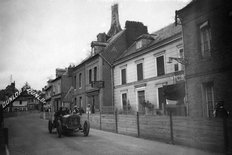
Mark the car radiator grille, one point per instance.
(74, 122)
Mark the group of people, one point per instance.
(64, 111)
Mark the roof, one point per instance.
(46, 88)
(160, 36)
(59, 77)
(110, 42)
(111, 56)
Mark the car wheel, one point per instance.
(86, 128)
(59, 129)
(50, 126)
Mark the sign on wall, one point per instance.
(97, 84)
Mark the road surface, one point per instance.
(28, 135)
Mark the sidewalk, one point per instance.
(157, 147)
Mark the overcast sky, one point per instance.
(38, 36)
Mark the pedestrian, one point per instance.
(88, 111)
(220, 110)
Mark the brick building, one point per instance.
(96, 71)
(207, 27)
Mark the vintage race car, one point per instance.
(69, 123)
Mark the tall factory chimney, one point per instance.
(115, 25)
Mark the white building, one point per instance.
(143, 69)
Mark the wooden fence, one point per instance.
(202, 133)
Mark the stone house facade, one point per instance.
(142, 70)
(207, 27)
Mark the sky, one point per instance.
(38, 36)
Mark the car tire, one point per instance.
(50, 126)
(86, 128)
(59, 128)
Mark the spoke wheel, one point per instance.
(86, 128)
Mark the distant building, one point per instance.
(207, 29)
(48, 90)
(60, 86)
(142, 71)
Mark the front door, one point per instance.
(141, 99)
(162, 99)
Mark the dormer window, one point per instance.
(144, 40)
(139, 44)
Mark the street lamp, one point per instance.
(179, 60)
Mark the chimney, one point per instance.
(115, 25)
(100, 44)
(60, 72)
(101, 37)
(134, 30)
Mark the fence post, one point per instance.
(171, 127)
(100, 121)
(225, 132)
(138, 128)
(116, 120)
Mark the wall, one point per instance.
(17, 103)
(79, 91)
(217, 68)
(56, 86)
(206, 134)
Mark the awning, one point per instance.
(175, 91)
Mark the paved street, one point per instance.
(28, 135)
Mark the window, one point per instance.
(80, 101)
(160, 65)
(205, 38)
(80, 80)
(209, 98)
(95, 73)
(75, 79)
(181, 53)
(90, 76)
(140, 71)
(123, 76)
(138, 44)
(124, 101)
(176, 68)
